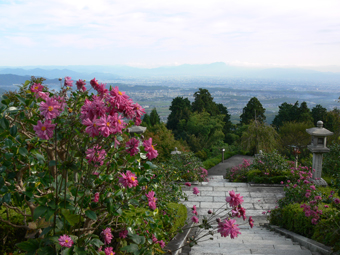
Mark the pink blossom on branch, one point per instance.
(152, 153)
(50, 109)
(96, 197)
(195, 190)
(228, 227)
(195, 219)
(106, 125)
(107, 235)
(96, 155)
(234, 199)
(152, 200)
(81, 85)
(44, 130)
(132, 146)
(128, 180)
(36, 87)
(68, 82)
(123, 234)
(91, 127)
(65, 241)
(109, 251)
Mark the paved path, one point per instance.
(256, 240)
(220, 169)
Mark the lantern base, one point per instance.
(320, 182)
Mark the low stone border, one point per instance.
(312, 245)
(265, 185)
(179, 240)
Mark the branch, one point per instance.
(13, 225)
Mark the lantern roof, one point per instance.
(319, 130)
(137, 129)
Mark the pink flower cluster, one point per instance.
(132, 146)
(152, 153)
(151, 200)
(128, 180)
(234, 199)
(239, 170)
(312, 211)
(228, 227)
(95, 155)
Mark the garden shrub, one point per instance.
(331, 160)
(238, 173)
(9, 236)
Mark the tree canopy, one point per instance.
(253, 110)
(203, 101)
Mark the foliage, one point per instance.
(238, 173)
(203, 101)
(154, 117)
(319, 113)
(180, 112)
(293, 113)
(294, 134)
(259, 136)
(165, 141)
(205, 130)
(331, 160)
(253, 111)
(186, 167)
(211, 162)
(81, 176)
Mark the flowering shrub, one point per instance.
(70, 168)
(187, 167)
(239, 173)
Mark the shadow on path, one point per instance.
(220, 169)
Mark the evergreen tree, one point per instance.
(154, 117)
(146, 120)
(180, 113)
(253, 110)
(227, 123)
(319, 113)
(203, 101)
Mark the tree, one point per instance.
(146, 120)
(253, 110)
(284, 114)
(180, 110)
(304, 113)
(319, 113)
(203, 101)
(227, 123)
(154, 117)
(259, 136)
(205, 130)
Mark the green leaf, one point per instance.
(4, 123)
(13, 130)
(21, 99)
(133, 248)
(31, 246)
(134, 202)
(8, 143)
(96, 242)
(6, 198)
(71, 218)
(39, 156)
(9, 155)
(6, 101)
(40, 210)
(137, 238)
(91, 214)
(45, 231)
(79, 250)
(23, 151)
(67, 251)
(52, 163)
(46, 250)
(2, 182)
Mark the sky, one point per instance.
(152, 33)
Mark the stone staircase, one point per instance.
(256, 240)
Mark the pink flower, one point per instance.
(107, 235)
(228, 227)
(152, 200)
(161, 243)
(96, 155)
(44, 130)
(68, 82)
(96, 173)
(234, 199)
(154, 239)
(288, 181)
(251, 222)
(194, 219)
(43, 95)
(81, 85)
(123, 234)
(312, 187)
(132, 146)
(65, 241)
(317, 198)
(263, 212)
(326, 206)
(188, 184)
(109, 251)
(195, 190)
(307, 194)
(152, 153)
(96, 197)
(91, 127)
(36, 87)
(106, 125)
(337, 201)
(128, 180)
(314, 221)
(50, 109)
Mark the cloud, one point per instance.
(262, 31)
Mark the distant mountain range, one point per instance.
(218, 69)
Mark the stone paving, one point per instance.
(256, 240)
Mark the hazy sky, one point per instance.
(149, 33)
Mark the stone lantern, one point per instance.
(318, 147)
(136, 130)
(175, 152)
